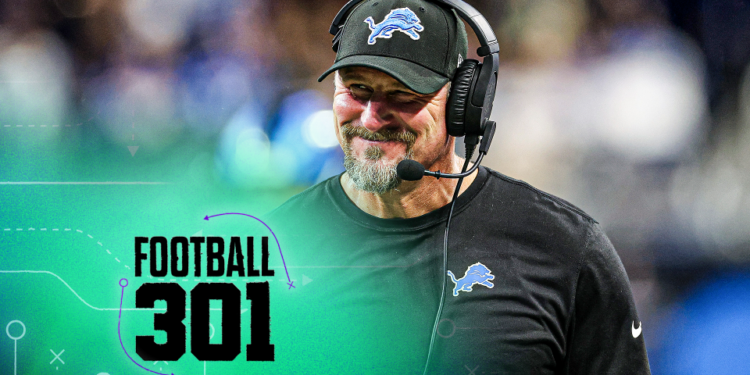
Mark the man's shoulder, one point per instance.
(534, 201)
(551, 225)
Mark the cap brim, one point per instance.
(413, 76)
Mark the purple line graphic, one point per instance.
(290, 283)
(118, 328)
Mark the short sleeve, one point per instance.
(605, 336)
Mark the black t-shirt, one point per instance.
(534, 285)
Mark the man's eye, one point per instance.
(403, 97)
(360, 91)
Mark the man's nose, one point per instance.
(376, 115)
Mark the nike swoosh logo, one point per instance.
(636, 331)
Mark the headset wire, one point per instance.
(469, 152)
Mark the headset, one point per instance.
(467, 113)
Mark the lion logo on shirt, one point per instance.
(477, 273)
(401, 19)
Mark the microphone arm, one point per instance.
(438, 174)
(411, 170)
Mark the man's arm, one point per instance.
(605, 333)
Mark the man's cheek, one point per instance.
(337, 130)
(345, 108)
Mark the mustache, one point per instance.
(384, 135)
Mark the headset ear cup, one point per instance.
(461, 87)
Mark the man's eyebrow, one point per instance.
(395, 86)
(351, 75)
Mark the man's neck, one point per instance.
(411, 198)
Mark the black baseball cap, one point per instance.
(419, 43)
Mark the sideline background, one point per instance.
(637, 111)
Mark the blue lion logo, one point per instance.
(401, 19)
(477, 273)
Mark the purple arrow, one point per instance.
(118, 328)
(290, 283)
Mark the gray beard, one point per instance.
(372, 175)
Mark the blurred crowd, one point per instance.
(637, 111)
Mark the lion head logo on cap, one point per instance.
(401, 19)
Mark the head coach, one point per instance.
(480, 274)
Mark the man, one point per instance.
(535, 287)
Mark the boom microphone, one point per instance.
(411, 170)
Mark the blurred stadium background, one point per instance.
(637, 111)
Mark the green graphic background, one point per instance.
(89, 244)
